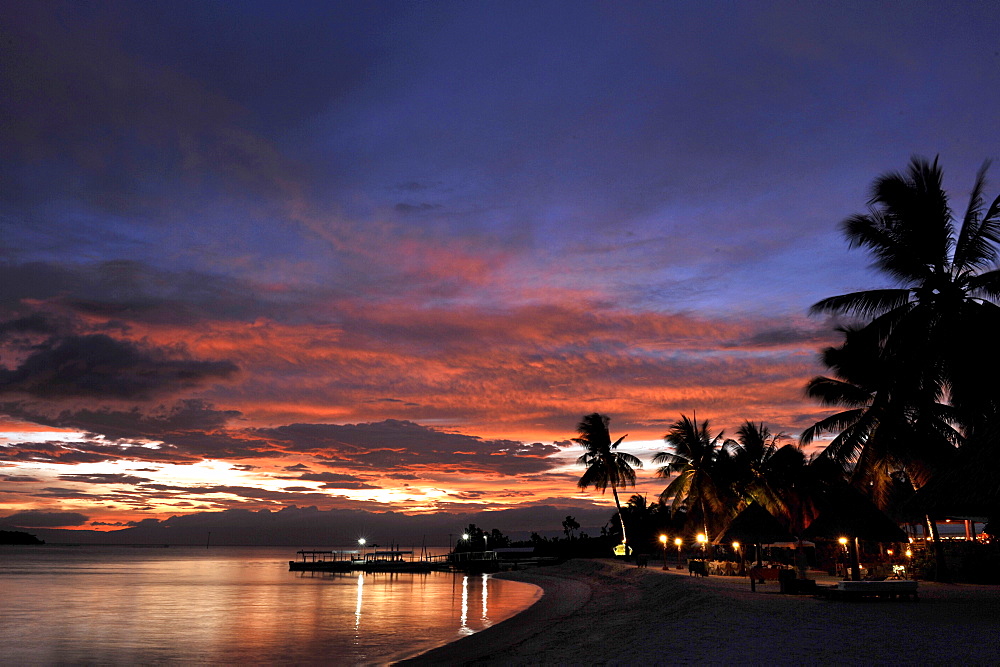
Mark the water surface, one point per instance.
(121, 605)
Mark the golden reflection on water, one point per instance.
(233, 606)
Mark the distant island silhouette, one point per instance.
(18, 537)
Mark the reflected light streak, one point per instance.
(486, 617)
(464, 629)
(357, 606)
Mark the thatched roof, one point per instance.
(754, 525)
(848, 513)
(969, 487)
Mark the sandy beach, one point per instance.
(606, 612)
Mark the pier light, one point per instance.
(465, 536)
(663, 541)
(361, 543)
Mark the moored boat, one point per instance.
(394, 561)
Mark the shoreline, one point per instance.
(605, 611)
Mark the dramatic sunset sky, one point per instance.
(371, 256)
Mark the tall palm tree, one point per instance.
(605, 465)
(699, 462)
(932, 325)
(931, 335)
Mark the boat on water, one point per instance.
(474, 562)
(395, 561)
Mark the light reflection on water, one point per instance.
(117, 605)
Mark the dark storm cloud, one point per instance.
(40, 519)
(396, 446)
(98, 366)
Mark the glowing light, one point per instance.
(736, 546)
(843, 541)
(663, 539)
(701, 538)
(678, 541)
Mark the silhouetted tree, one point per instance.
(605, 465)
(935, 332)
(697, 460)
(570, 525)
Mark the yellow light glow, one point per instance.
(843, 541)
(701, 538)
(678, 541)
(663, 539)
(736, 545)
(908, 553)
(889, 551)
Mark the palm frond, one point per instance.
(974, 248)
(867, 304)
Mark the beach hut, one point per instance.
(850, 517)
(756, 526)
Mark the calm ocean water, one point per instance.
(122, 605)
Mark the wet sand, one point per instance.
(611, 613)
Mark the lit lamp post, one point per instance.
(678, 542)
(663, 541)
(702, 540)
(736, 549)
(361, 543)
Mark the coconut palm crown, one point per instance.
(695, 460)
(931, 327)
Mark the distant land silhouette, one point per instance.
(18, 537)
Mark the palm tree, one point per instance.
(757, 467)
(931, 336)
(605, 465)
(697, 459)
(931, 328)
(889, 427)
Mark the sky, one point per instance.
(296, 259)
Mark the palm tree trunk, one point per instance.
(940, 567)
(621, 518)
